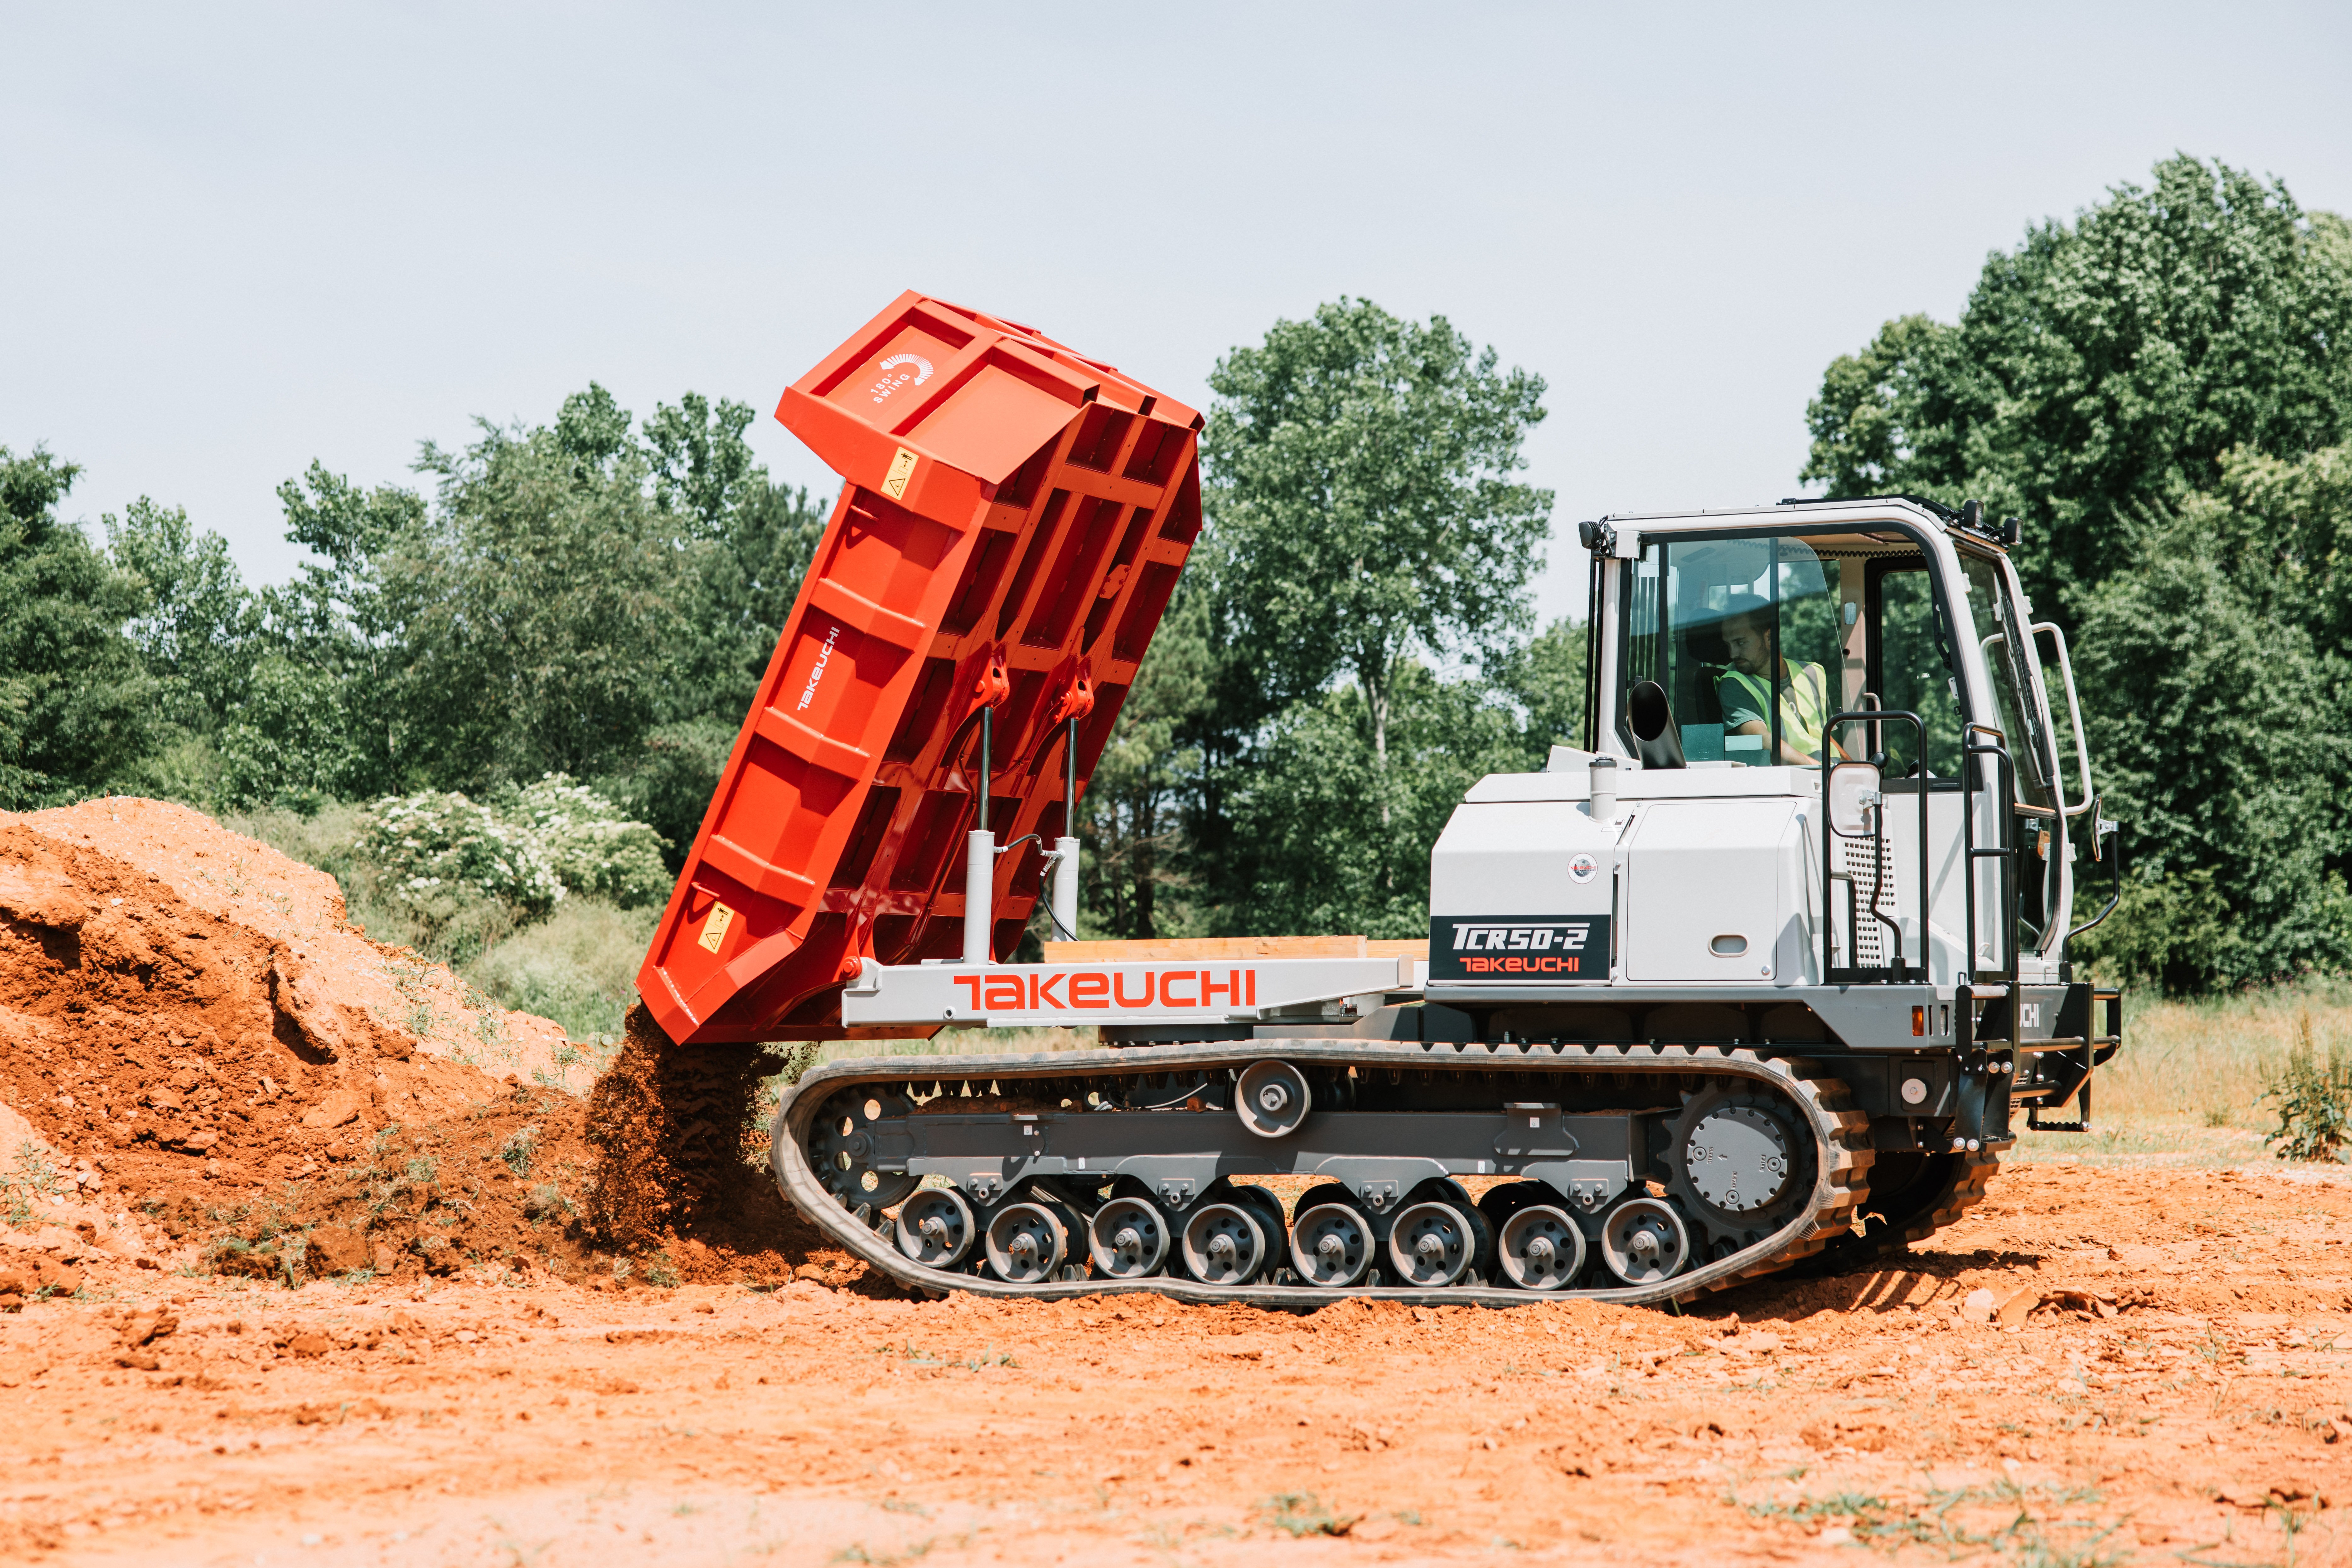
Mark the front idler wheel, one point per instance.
(843, 1147)
(1128, 1238)
(936, 1227)
(1643, 1241)
(1540, 1248)
(1026, 1243)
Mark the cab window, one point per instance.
(1758, 639)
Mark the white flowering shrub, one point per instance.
(592, 846)
(430, 848)
(443, 855)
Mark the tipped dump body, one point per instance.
(1014, 521)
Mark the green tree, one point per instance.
(1359, 492)
(702, 468)
(1131, 820)
(288, 740)
(76, 710)
(1335, 842)
(2220, 725)
(1544, 679)
(195, 624)
(345, 616)
(2100, 371)
(542, 603)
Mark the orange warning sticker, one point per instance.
(714, 930)
(902, 469)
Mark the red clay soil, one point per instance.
(2173, 1384)
(183, 1090)
(2097, 1365)
(246, 883)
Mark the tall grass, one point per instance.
(2188, 1087)
(578, 966)
(2208, 1061)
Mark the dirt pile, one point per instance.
(161, 1055)
(217, 1082)
(244, 881)
(681, 1168)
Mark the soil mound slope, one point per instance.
(198, 1068)
(244, 881)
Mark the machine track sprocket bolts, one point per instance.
(1738, 1159)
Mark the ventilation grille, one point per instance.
(1870, 945)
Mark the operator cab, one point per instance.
(1729, 639)
(1743, 832)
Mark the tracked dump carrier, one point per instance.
(1760, 972)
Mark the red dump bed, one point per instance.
(1014, 519)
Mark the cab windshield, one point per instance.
(1755, 639)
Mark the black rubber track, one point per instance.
(1841, 1182)
(1950, 1185)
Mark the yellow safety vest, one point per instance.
(1804, 702)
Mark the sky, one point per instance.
(241, 238)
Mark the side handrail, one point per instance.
(2100, 828)
(2074, 718)
(1901, 970)
(2005, 786)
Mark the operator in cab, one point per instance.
(1746, 690)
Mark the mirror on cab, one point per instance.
(1659, 743)
(1854, 799)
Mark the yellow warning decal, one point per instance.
(714, 930)
(902, 469)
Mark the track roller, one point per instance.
(1127, 1238)
(1540, 1248)
(936, 1227)
(1224, 1243)
(1026, 1242)
(1332, 1240)
(1644, 1240)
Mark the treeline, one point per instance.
(2161, 388)
(593, 597)
(596, 598)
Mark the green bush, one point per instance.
(2314, 1102)
(432, 842)
(2171, 932)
